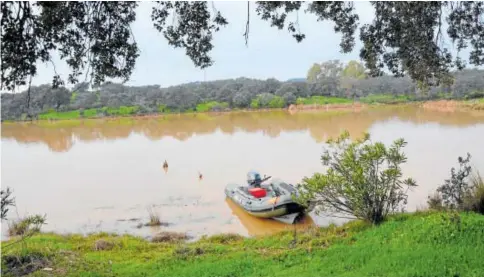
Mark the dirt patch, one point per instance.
(23, 265)
(170, 237)
(328, 107)
(441, 105)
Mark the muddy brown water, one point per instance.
(102, 175)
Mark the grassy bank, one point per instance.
(421, 244)
(275, 103)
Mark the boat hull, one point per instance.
(266, 207)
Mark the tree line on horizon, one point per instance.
(329, 79)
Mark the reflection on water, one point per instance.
(61, 136)
(95, 175)
(260, 226)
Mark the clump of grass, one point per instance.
(475, 200)
(385, 99)
(170, 237)
(211, 106)
(223, 238)
(26, 226)
(183, 253)
(54, 115)
(101, 245)
(323, 100)
(154, 219)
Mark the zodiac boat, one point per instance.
(273, 200)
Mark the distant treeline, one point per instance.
(118, 99)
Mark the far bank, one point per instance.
(328, 104)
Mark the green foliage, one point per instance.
(314, 73)
(26, 226)
(474, 201)
(464, 191)
(254, 103)
(163, 109)
(277, 102)
(384, 99)
(7, 201)
(475, 95)
(73, 97)
(211, 106)
(121, 111)
(455, 189)
(355, 70)
(53, 115)
(405, 245)
(323, 100)
(89, 113)
(363, 179)
(239, 93)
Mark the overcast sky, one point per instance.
(271, 52)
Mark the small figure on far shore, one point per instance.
(165, 164)
(200, 176)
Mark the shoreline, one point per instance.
(355, 248)
(439, 105)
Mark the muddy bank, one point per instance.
(355, 106)
(453, 105)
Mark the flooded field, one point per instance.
(103, 175)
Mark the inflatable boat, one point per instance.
(273, 200)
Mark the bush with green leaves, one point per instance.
(463, 191)
(455, 189)
(7, 201)
(363, 180)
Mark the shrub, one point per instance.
(277, 102)
(455, 189)
(363, 179)
(254, 104)
(26, 226)
(7, 201)
(435, 202)
(474, 201)
(464, 191)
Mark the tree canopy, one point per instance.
(95, 37)
(109, 97)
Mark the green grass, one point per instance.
(323, 100)
(384, 99)
(210, 106)
(422, 244)
(89, 113)
(277, 102)
(53, 115)
(121, 111)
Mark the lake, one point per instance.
(103, 175)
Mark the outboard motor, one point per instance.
(254, 179)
